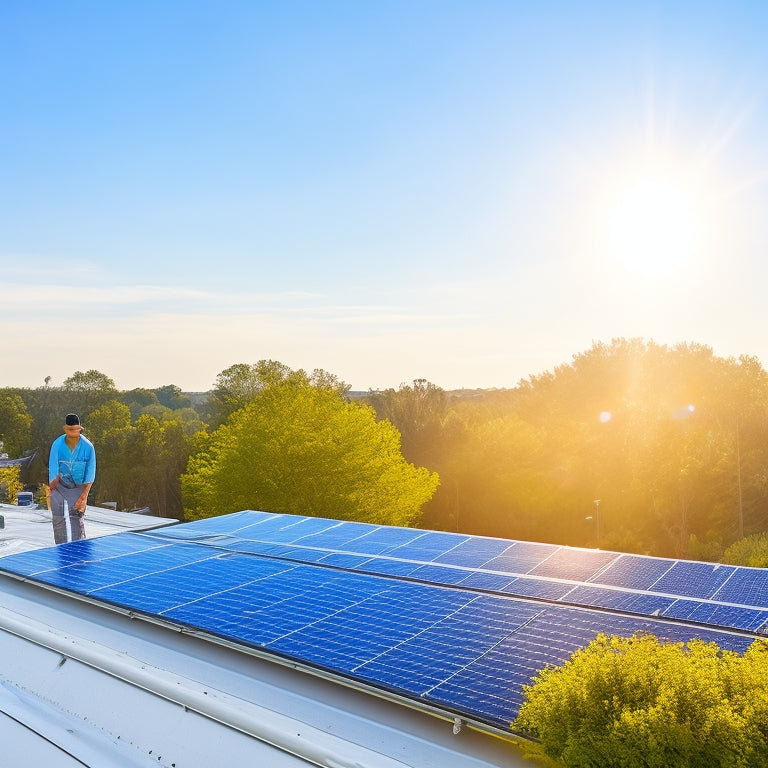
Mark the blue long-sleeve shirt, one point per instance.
(72, 467)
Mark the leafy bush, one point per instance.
(10, 484)
(637, 702)
(303, 449)
(753, 550)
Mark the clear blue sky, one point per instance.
(389, 190)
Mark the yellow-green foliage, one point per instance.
(10, 482)
(303, 449)
(750, 551)
(641, 703)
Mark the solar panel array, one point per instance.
(456, 622)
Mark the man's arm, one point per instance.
(53, 466)
(82, 499)
(90, 476)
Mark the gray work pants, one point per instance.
(63, 501)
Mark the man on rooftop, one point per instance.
(71, 472)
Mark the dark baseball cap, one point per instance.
(72, 419)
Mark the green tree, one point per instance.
(137, 399)
(87, 390)
(639, 702)
(139, 463)
(304, 449)
(239, 384)
(418, 411)
(109, 428)
(15, 424)
(751, 551)
(172, 397)
(89, 381)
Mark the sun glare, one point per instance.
(653, 226)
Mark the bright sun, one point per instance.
(653, 226)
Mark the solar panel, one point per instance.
(620, 600)
(488, 564)
(555, 573)
(746, 586)
(366, 603)
(381, 540)
(576, 564)
(634, 572)
(428, 546)
(538, 588)
(474, 552)
(693, 579)
(750, 619)
(521, 557)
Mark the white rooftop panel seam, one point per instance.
(313, 745)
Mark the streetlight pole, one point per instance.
(738, 467)
(597, 517)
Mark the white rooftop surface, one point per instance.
(29, 527)
(84, 684)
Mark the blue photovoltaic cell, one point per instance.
(634, 572)
(749, 619)
(474, 552)
(620, 600)
(336, 536)
(212, 526)
(302, 554)
(341, 560)
(263, 548)
(438, 574)
(38, 560)
(428, 546)
(746, 586)
(494, 582)
(520, 557)
(693, 579)
(539, 588)
(367, 603)
(292, 531)
(460, 637)
(575, 564)
(381, 541)
(386, 565)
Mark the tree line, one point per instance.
(632, 446)
(671, 441)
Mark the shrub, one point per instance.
(10, 484)
(637, 702)
(753, 550)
